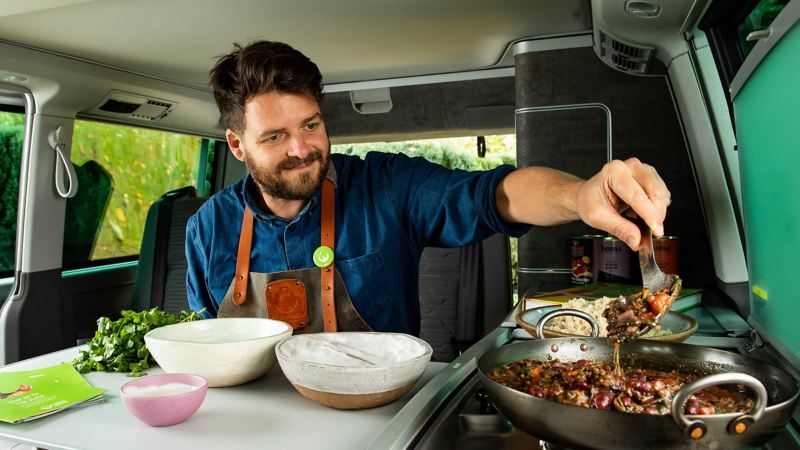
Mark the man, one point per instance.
(332, 242)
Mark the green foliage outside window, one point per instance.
(453, 153)
(143, 165)
(12, 132)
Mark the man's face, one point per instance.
(284, 145)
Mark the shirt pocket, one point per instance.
(366, 281)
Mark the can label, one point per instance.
(583, 259)
(613, 260)
(666, 250)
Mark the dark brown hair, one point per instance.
(258, 68)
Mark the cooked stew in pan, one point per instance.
(595, 385)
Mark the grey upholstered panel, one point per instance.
(439, 273)
(175, 299)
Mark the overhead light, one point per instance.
(642, 9)
(11, 78)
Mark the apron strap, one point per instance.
(327, 230)
(327, 239)
(242, 274)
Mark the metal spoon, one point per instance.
(653, 278)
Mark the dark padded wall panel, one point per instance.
(423, 111)
(645, 125)
(90, 296)
(439, 275)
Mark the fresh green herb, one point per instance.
(118, 346)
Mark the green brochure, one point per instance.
(33, 394)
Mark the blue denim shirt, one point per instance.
(388, 209)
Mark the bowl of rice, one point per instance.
(674, 327)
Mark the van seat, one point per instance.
(161, 275)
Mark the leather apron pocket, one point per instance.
(286, 301)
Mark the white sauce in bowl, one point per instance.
(352, 349)
(159, 390)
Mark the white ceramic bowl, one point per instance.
(225, 352)
(353, 370)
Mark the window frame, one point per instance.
(17, 109)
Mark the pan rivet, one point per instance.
(238, 295)
(554, 348)
(327, 288)
(297, 283)
(740, 428)
(584, 347)
(241, 277)
(697, 432)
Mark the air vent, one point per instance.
(623, 55)
(132, 106)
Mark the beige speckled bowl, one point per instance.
(347, 387)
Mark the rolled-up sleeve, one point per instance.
(443, 207)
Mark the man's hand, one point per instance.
(618, 185)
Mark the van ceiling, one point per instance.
(350, 40)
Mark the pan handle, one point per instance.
(696, 429)
(566, 312)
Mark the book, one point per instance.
(688, 299)
(33, 394)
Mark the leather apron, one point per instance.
(310, 300)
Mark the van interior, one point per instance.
(102, 91)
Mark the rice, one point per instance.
(575, 325)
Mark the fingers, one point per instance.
(610, 220)
(639, 186)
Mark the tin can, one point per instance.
(667, 252)
(613, 260)
(583, 258)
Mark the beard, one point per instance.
(299, 187)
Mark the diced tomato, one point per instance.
(660, 302)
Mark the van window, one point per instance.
(12, 133)
(121, 171)
(453, 153)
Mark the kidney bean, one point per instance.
(626, 316)
(603, 399)
(692, 406)
(641, 386)
(583, 385)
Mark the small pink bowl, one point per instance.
(164, 399)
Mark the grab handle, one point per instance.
(66, 180)
(696, 428)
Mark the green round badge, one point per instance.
(323, 256)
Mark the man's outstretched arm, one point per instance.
(542, 196)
